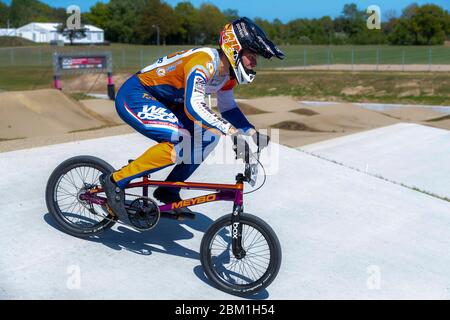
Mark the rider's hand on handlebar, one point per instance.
(260, 139)
(240, 146)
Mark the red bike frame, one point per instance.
(225, 192)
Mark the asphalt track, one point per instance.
(344, 234)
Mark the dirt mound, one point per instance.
(442, 122)
(347, 118)
(15, 42)
(45, 112)
(247, 109)
(92, 82)
(358, 90)
(274, 104)
(413, 114)
(266, 120)
(340, 122)
(105, 109)
(305, 112)
(447, 117)
(48, 116)
(294, 126)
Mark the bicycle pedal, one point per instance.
(111, 212)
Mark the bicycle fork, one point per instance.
(236, 228)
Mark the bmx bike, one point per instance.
(240, 253)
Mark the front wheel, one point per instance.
(246, 275)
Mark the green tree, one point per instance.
(157, 16)
(71, 34)
(211, 23)
(297, 32)
(432, 22)
(354, 21)
(132, 21)
(4, 12)
(231, 14)
(189, 23)
(274, 30)
(118, 18)
(98, 15)
(421, 25)
(22, 12)
(25, 11)
(279, 31)
(327, 26)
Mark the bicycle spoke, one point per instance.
(246, 263)
(64, 197)
(70, 205)
(73, 210)
(97, 178)
(78, 171)
(259, 256)
(246, 234)
(93, 179)
(67, 191)
(70, 182)
(221, 242)
(255, 240)
(84, 174)
(254, 264)
(248, 269)
(73, 179)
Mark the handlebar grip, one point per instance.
(241, 148)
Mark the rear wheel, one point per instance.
(250, 274)
(68, 181)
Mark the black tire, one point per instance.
(79, 229)
(206, 256)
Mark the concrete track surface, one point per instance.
(344, 234)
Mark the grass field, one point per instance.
(136, 56)
(30, 68)
(383, 87)
(7, 41)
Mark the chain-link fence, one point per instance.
(134, 57)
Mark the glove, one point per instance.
(261, 140)
(240, 146)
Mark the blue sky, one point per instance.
(285, 10)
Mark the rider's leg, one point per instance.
(155, 121)
(200, 150)
(154, 159)
(152, 119)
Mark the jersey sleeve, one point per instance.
(197, 72)
(230, 111)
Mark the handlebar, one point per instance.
(241, 148)
(251, 159)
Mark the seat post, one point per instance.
(145, 187)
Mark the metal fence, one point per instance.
(134, 57)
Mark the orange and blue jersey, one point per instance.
(164, 101)
(185, 78)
